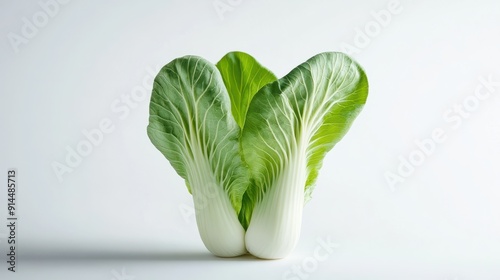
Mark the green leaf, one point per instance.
(290, 125)
(308, 110)
(243, 76)
(191, 124)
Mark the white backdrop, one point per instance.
(411, 192)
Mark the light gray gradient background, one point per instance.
(120, 208)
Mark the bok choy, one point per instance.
(248, 145)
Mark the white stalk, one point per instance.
(274, 229)
(218, 224)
